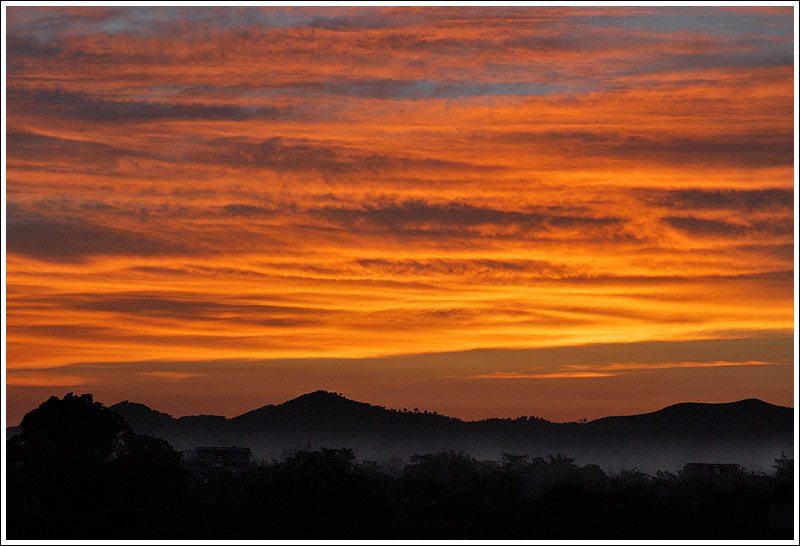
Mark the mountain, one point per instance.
(141, 417)
(749, 432)
(751, 417)
(12, 431)
(330, 413)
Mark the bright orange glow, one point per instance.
(44, 380)
(559, 375)
(662, 365)
(197, 197)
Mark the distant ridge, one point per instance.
(310, 404)
(750, 432)
(745, 417)
(319, 404)
(140, 416)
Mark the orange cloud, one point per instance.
(400, 180)
(44, 380)
(667, 365)
(171, 376)
(554, 375)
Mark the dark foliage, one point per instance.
(77, 471)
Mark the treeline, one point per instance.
(76, 471)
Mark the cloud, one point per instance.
(415, 214)
(62, 152)
(784, 252)
(458, 268)
(768, 199)
(703, 227)
(242, 210)
(668, 365)
(32, 379)
(80, 106)
(170, 375)
(610, 370)
(435, 380)
(554, 375)
(192, 307)
(420, 89)
(305, 155)
(74, 239)
(193, 183)
(768, 149)
(21, 50)
(56, 330)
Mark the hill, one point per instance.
(749, 432)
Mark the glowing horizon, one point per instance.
(211, 209)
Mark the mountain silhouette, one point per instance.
(751, 417)
(327, 412)
(748, 432)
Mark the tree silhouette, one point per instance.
(75, 429)
(784, 468)
(150, 464)
(510, 460)
(79, 471)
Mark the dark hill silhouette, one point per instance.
(749, 432)
(77, 471)
(327, 412)
(751, 417)
(142, 417)
(13, 431)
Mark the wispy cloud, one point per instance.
(613, 369)
(554, 375)
(187, 183)
(667, 365)
(170, 376)
(29, 379)
(449, 382)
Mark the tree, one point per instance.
(75, 429)
(784, 468)
(515, 462)
(79, 471)
(561, 460)
(149, 463)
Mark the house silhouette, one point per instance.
(204, 461)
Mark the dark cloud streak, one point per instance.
(84, 107)
(773, 199)
(702, 227)
(742, 150)
(73, 239)
(418, 214)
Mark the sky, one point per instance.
(482, 211)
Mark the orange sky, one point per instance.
(212, 209)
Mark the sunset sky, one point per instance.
(485, 212)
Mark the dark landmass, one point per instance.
(77, 470)
(12, 431)
(749, 432)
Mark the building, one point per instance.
(205, 461)
(710, 471)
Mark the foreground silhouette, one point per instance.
(77, 471)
